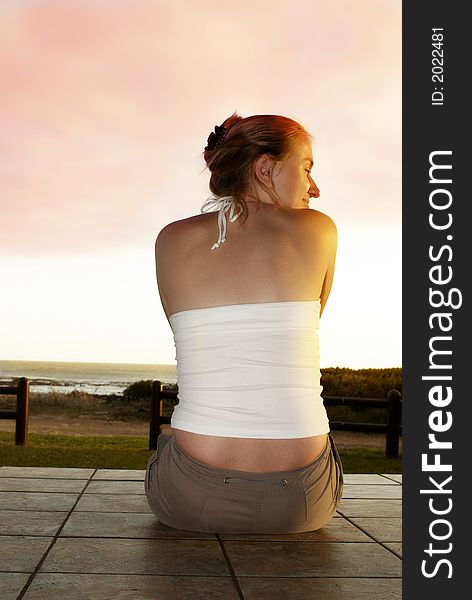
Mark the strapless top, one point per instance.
(249, 370)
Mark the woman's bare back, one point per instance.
(279, 255)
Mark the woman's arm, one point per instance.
(160, 252)
(330, 236)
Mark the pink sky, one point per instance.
(104, 112)
(106, 106)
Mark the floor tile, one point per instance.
(311, 559)
(57, 586)
(119, 474)
(18, 484)
(380, 528)
(123, 525)
(23, 522)
(370, 508)
(11, 584)
(395, 546)
(46, 472)
(337, 530)
(139, 557)
(115, 487)
(372, 491)
(112, 546)
(22, 554)
(131, 503)
(366, 479)
(305, 588)
(37, 501)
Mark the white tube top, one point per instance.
(249, 370)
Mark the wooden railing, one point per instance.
(21, 391)
(392, 426)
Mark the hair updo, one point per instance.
(239, 144)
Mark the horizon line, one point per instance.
(155, 364)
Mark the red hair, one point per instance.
(231, 162)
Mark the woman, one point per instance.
(250, 450)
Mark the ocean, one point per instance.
(93, 378)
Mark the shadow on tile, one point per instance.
(57, 586)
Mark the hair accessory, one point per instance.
(216, 137)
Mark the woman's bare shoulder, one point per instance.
(323, 221)
(174, 227)
(173, 232)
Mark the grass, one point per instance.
(125, 452)
(368, 460)
(121, 452)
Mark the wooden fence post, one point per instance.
(393, 424)
(156, 413)
(22, 412)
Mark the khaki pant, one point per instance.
(186, 494)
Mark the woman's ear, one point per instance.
(262, 169)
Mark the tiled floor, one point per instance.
(89, 534)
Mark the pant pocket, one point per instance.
(180, 500)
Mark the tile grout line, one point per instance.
(390, 479)
(230, 568)
(372, 537)
(53, 541)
